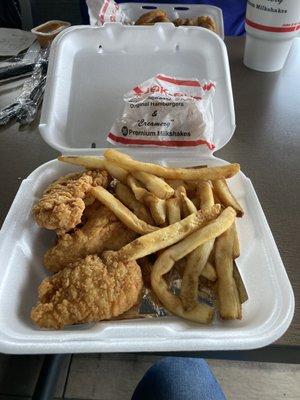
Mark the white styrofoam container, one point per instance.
(133, 11)
(84, 92)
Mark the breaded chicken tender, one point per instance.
(102, 231)
(88, 290)
(63, 202)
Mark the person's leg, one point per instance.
(179, 378)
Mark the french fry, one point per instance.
(195, 263)
(209, 272)
(223, 192)
(155, 185)
(173, 210)
(121, 211)
(196, 260)
(229, 300)
(157, 208)
(179, 191)
(210, 231)
(115, 171)
(236, 242)
(216, 199)
(90, 162)
(197, 166)
(94, 162)
(206, 196)
(167, 236)
(126, 196)
(211, 173)
(188, 206)
(139, 192)
(175, 183)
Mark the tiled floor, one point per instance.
(114, 377)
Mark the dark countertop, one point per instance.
(266, 143)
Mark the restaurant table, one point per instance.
(266, 143)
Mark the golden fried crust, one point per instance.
(207, 22)
(204, 21)
(150, 16)
(62, 204)
(89, 290)
(102, 231)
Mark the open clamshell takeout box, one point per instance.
(90, 70)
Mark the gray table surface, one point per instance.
(266, 143)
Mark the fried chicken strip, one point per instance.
(89, 290)
(102, 231)
(63, 202)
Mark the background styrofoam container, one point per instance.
(81, 81)
(133, 11)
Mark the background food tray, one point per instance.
(133, 11)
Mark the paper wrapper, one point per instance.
(110, 12)
(166, 111)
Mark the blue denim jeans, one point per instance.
(179, 378)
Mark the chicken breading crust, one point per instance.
(62, 204)
(102, 231)
(89, 290)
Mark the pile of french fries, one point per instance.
(150, 198)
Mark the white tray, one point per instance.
(75, 114)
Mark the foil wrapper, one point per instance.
(150, 307)
(25, 106)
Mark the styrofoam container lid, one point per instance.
(82, 79)
(106, 62)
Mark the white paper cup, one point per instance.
(271, 26)
(264, 54)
